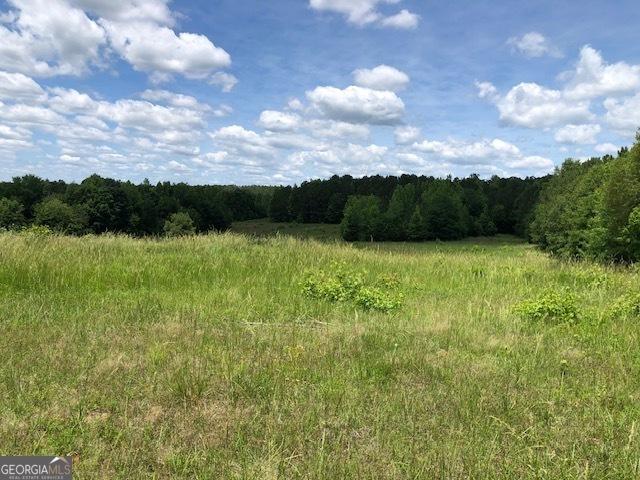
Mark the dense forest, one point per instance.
(586, 209)
(411, 207)
(592, 209)
(98, 205)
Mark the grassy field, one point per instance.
(201, 358)
(265, 228)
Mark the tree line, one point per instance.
(586, 209)
(411, 207)
(591, 209)
(98, 205)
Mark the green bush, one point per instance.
(344, 285)
(626, 307)
(552, 307)
(179, 224)
(11, 214)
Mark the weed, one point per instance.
(553, 307)
(345, 285)
(627, 306)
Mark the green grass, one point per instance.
(201, 358)
(265, 228)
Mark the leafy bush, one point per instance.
(554, 307)
(11, 214)
(626, 307)
(37, 231)
(179, 224)
(60, 216)
(344, 285)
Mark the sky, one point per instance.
(282, 91)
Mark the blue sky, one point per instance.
(278, 92)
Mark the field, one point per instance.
(265, 228)
(201, 357)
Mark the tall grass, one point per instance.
(202, 358)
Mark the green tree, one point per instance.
(401, 208)
(60, 216)
(416, 227)
(11, 213)
(362, 218)
(335, 210)
(279, 206)
(631, 236)
(179, 224)
(443, 212)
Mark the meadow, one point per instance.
(202, 357)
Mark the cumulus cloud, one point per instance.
(623, 116)
(224, 80)
(279, 121)
(487, 91)
(593, 78)
(532, 106)
(171, 98)
(382, 77)
(534, 44)
(406, 135)
(358, 105)
(578, 134)
(365, 12)
(156, 49)
(606, 149)
(49, 37)
(16, 86)
(496, 152)
(404, 20)
(68, 37)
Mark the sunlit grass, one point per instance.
(201, 358)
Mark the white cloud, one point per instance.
(16, 86)
(224, 80)
(329, 129)
(365, 12)
(295, 104)
(222, 111)
(623, 115)
(406, 135)
(495, 153)
(155, 11)
(404, 20)
(279, 121)
(67, 37)
(358, 105)
(578, 134)
(237, 139)
(157, 49)
(593, 78)
(533, 106)
(49, 37)
(606, 148)
(534, 44)
(487, 91)
(29, 115)
(382, 77)
(71, 101)
(171, 98)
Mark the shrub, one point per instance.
(37, 231)
(343, 285)
(60, 216)
(626, 307)
(553, 307)
(178, 225)
(11, 214)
